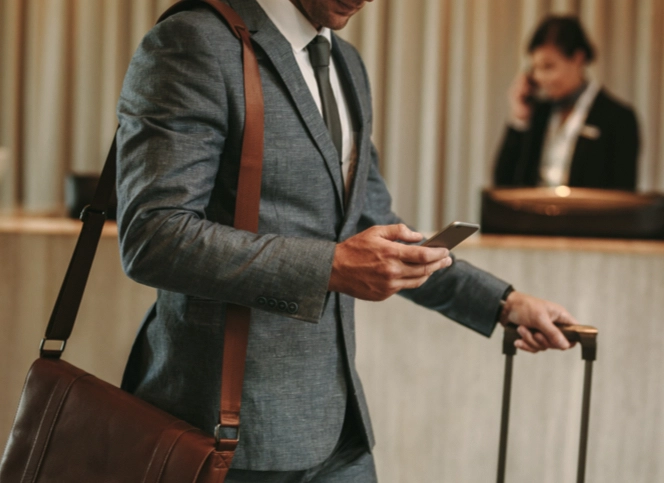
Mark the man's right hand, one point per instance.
(372, 265)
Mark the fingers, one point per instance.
(565, 318)
(553, 335)
(547, 336)
(520, 344)
(421, 255)
(424, 270)
(398, 232)
(532, 342)
(520, 83)
(371, 266)
(403, 275)
(519, 88)
(528, 340)
(539, 337)
(408, 253)
(540, 315)
(536, 340)
(415, 261)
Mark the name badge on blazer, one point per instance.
(590, 132)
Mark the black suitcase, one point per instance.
(586, 336)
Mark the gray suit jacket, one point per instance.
(181, 115)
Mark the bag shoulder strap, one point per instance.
(247, 206)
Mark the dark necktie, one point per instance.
(319, 54)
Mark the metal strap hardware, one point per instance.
(88, 210)
(46, 352)
(226, 444)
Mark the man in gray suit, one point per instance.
(327, 235)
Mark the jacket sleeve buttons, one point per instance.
(280, 305)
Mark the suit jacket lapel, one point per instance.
(581, 161)
(356, 96)
(280, 53)
(352, 87)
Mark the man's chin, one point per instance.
(336, 22)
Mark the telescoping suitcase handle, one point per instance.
(586, 336)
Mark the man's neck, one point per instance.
(300, 7)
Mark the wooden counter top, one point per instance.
(38, 225)
(517, 242)
(67, 226)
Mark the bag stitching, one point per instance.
(41, 423)
(154, 453)
(65, 395)
(47, 439)
(200, 467)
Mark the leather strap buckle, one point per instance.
(226, 443)
(88, 210)
(48, 352)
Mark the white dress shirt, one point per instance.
(299, 32)
(561, 138)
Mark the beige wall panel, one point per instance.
(87, 83)
(10, 58)
(32, 269)
(622, 47)
(480, 86)
(46, 122)
(431, 85)
(403, 98)
(457, 121)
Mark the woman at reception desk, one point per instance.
(563, 128)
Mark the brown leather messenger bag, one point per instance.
(71, 427)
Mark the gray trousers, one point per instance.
(350, 462)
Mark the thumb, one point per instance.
(399, 232)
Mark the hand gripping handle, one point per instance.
(583, 334)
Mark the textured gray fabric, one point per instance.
(350, 462)
(181, 113)
(360, 470)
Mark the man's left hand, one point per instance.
(536, 319)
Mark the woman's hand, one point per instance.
(520, 90)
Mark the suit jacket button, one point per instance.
(272, 303)
(292, 308)
(283, 305)
(262, 301)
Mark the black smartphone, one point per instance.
(533, 91)
(451, 235)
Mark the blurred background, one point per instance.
(440, 72)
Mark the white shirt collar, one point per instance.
(292, 23)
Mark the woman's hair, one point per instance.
(565, 33)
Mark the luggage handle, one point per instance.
(586, 335)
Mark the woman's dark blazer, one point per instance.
(608, 162)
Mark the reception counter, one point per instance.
(434, 387)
